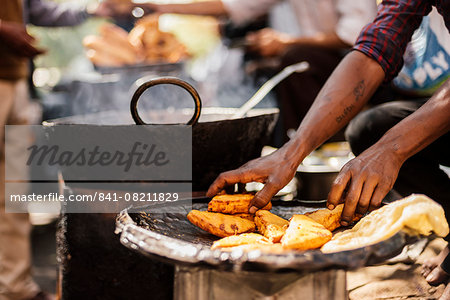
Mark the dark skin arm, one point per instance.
(16, 37)
(347, 90)
(371, 175)
(208, 8)
(368, 177)
(269, 42)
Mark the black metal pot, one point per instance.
(218, 142)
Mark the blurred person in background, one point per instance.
(17, 47)
(326, 30)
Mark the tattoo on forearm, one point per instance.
(346, 111)
(359, 90)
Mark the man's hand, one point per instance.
(364, 181)
(274, 170)
(16, 37)
(268, 42)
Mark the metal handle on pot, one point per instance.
(165, 80)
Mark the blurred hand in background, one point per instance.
(16, 37)
(268, 42)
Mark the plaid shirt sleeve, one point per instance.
(385, 39)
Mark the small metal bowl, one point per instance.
(314, 182)
(318, 171)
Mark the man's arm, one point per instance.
(239, 11)
(208, 8)
(51, 14)
(343, 96)
(371, 175)
(349, 87)
(269, 42)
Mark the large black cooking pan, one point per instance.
(170, 237)
(218, 142)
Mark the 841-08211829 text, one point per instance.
(97, 196)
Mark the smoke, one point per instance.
(219, 78)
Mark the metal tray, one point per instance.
(170, 237)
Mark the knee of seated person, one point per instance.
(359, 134)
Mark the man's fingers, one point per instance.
(366, 195)
(230, 178)
(351, 200)
(337, 188)
(262, 197)
(378, 196)
(223, 180)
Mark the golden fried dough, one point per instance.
(304, 233)
(328, 218)
(249, 217)
(145, 43)
(220, 224)
(116, 37)
(232, 204)
(271, 226)
(156, 45)
(103, 59)
(242, 239)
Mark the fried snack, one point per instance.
(100, 45)
(330, 219)
(156, 45)
(103, 59)
(219, 224)
(232, 204)
(417, 214)
(271, 226)
(135, 36)
(271, 248)
(117, 38)
(249, 217)
(304, 233)
(242, 239)
(145, 42)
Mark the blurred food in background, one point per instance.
(145, 43)
(111, 48)
(154, 44)
(70, 58)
